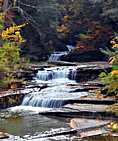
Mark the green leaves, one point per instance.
(9, 55)
(114, 67)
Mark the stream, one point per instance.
(24, 120)
(25, 123)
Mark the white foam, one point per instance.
(21, 108)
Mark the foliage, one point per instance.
(10, 59)
(113, 108)
(111, 79)
(111, 83)
(66, 21)
(13, 34)
(114, 57)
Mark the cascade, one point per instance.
(37, 101)
(49, 74)
(56, 56)
(52, 97)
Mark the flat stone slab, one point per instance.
(81, 110)
(81, 124)
(86, 107)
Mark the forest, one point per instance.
(59, 70)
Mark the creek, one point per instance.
(25, 122)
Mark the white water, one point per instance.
(56, 56)
(31, 109)
(55, 73)
(59, 88)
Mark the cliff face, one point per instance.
(53, 24)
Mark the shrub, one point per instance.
(10, 59)
(111, 79)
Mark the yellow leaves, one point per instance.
(115, 46)
(114, 42)
(114, 72)
(114, 58)
(13, 33)
(113, 126)
(63, 29)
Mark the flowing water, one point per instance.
(57, 55)
(59, 88)
(24, 120)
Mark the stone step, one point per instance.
(90, 111)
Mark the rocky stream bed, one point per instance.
(58, 104)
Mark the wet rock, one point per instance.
(26, 74)
(63, 63)
(84, 110)
(10, 100)
(89, 72)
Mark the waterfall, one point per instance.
(37, 101)
(52, 96)
(52, 74)
(56, 56)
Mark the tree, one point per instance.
(10, 59)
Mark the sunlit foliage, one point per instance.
(10, 59)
